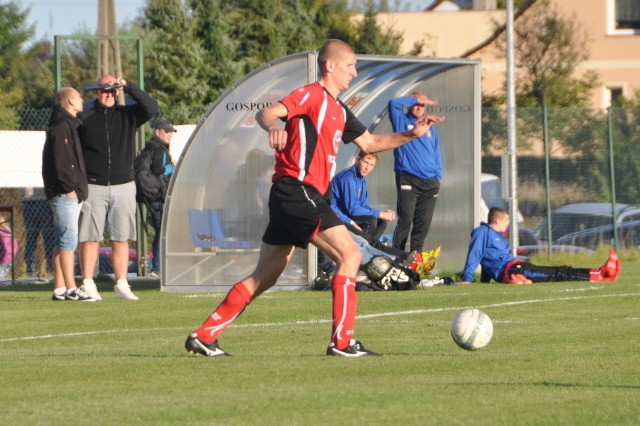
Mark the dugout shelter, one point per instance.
(214, 219)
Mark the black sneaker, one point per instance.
(355, 349)
(78, 295)
(195, 346)
(56, 297)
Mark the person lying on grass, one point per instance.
(490, 249)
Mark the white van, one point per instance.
(491, 194)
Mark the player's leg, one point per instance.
(539, 273)
(272, 261)
(338, 243)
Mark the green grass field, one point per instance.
(564, 353)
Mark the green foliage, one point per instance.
(39, 93)
(370, 39)
(333, 20)
(626, 139)
(13, 34)
(548, 48)
(194, 50)
(213, 30)
(80, 65)
(174, 58)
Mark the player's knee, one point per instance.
(351, 257)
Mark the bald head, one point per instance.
(70, 100)
(106, 80)
(337, 61)
(333, 50)
(64, 95)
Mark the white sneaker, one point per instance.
(89, 287)
(123, 290)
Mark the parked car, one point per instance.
(582, 216)
(628, 236)
(526, 251)
(104, 261)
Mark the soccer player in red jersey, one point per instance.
(316, 122)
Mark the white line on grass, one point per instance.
(303, 322)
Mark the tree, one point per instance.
(370, 39)
(212, 28)
(548, 49)
(13, 35)
(333, 20)
(175, 60)
(270, 29)
(625, 119)
(206, 45)
(39, 93)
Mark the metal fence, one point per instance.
(564, 156)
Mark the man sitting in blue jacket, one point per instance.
(490, 249)
(350, 200)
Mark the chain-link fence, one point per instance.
(577, 163)
(582, 159)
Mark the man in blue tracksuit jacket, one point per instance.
(490, 249)
(350, 200)
(418, 169)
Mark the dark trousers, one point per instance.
(155, 211)
(539, 273)
(38, 219)
(416, 203)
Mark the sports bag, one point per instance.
(383, 274)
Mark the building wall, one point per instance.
(614, 55)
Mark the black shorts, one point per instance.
(297, 212)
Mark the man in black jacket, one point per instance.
(155, 162)
(65, 183)
(107, 134)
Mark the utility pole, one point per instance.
(512, 163)
(109, 61)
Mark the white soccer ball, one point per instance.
(471, 329)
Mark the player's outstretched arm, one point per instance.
(371, 143)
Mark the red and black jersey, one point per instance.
(316, 123)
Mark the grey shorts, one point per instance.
(110, 209)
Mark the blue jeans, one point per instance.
(66, 211)
(155, 210)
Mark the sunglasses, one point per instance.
(420, 105)
(105, 91)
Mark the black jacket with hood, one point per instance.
(63, 167)
(108, 137)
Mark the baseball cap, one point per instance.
(165, 125)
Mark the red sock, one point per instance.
(345, 302)
(231, 307)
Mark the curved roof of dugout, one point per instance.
(216, 204)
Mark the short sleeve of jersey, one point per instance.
(353, 127)
(295, 100)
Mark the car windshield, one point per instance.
(628, 236)
(562, 224)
